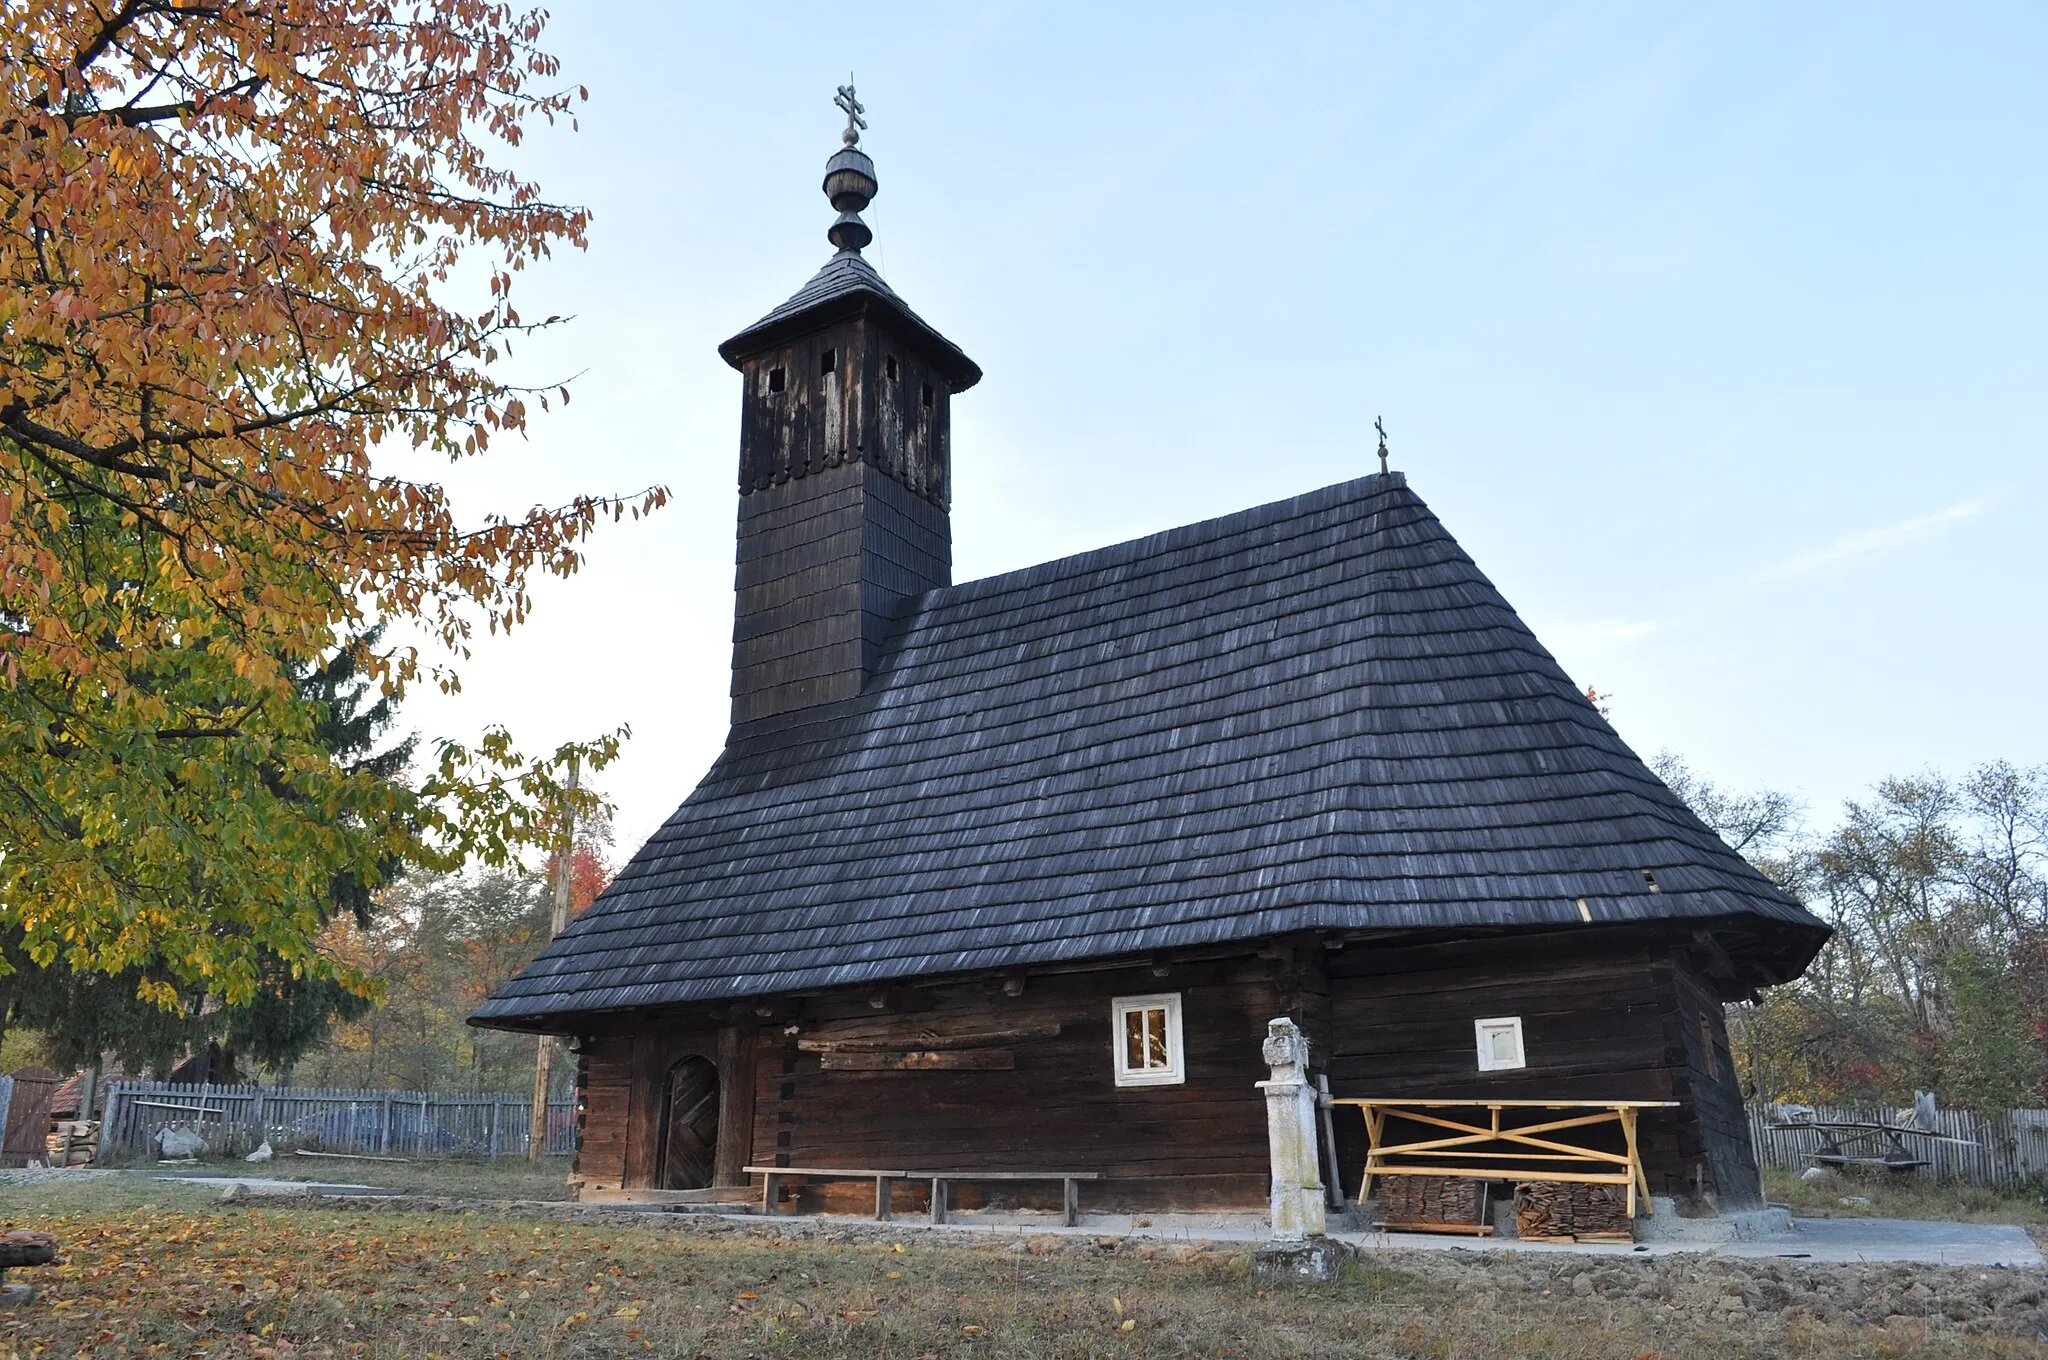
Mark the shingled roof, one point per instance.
(848, 286)
(1316, 715)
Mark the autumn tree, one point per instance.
(1937, 975)
(259, 264)
(438, 944)
(86, 1014)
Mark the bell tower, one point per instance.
(845, 466)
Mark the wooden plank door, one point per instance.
(689, 1141)
(28, 1113)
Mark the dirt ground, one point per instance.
(158, 1269)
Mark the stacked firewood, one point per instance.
(73, 1142)
(1568, 1209)
(1432, 1199)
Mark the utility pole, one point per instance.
(558, 921)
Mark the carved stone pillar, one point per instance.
(1297, 1204)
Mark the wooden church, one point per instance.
(1012, 874)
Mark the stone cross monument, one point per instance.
(1297, 1249)
(1291, 1134)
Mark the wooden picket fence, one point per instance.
(1998, 1149)
(235, 1119)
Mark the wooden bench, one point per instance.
(773, 1176)
(1070, 1199)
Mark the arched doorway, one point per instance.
(689, 1125)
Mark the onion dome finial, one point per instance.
(850, 177)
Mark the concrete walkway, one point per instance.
(1840, 1240)
(266, 1185)
(1898, 1239)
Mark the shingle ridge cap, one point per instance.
(1216, 527)
(847, 265)
(850, 275)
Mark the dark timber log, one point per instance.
(608, 1080)
(1606, 1014)
(27, 1249)
(736, 1102)
(925, 1060)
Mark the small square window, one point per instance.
(776, 379)
(1145, 1034)
(927, 396)
(889, 364)
(1500, 1043)
(828, 361)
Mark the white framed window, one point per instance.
(1145, 1039)
(1500, 1043)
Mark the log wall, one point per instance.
(1713, 1097)
(1199, 1143)
(1604, 1015)
(605, 1076)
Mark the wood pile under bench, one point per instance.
(941, 1183)
(1566, 1186)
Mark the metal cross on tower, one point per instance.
(1379, 423)
(855, 124)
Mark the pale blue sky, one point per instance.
(1716, 336)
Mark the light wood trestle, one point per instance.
(1477, 1144)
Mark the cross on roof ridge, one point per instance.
(855, 123)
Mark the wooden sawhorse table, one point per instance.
(1481, 1145)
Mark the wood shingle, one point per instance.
(1312, 716)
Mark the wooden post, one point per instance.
(544, 1050)
(384, 1125)
(497, 1105)
(1333, 1178)
(1636, 1174)
(1375, 1120)
(735, 1105)
(108, 1123)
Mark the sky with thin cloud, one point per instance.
(1714, 333)
(1865, 542)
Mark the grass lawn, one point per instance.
(159, 1269)
(1903, 1195)
(506, 1178)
